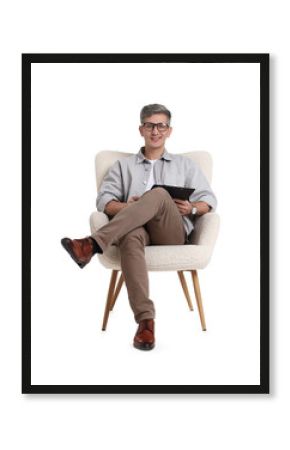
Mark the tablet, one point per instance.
(179, 192)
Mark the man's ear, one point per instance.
(141, 130)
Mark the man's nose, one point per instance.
(155, 130)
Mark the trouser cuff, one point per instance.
(144, 316)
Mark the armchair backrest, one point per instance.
(105, 159)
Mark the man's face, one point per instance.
(154, 137)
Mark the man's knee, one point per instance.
(161, 193)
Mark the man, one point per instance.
(141, 216)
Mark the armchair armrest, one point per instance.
(98, 220)
(206, 229)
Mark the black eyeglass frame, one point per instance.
(153, 125)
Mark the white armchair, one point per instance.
(177, 258)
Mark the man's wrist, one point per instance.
(200, 208)
(194, 209)
(113, 207)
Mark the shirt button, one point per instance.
(144, 182)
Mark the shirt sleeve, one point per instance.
(111, 187)
(203, 191)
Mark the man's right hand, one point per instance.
(113, 207)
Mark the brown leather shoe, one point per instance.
(81, 250)
(144, 337)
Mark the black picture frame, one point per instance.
(263, 60)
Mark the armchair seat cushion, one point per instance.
(163, 257)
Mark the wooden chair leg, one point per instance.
(109, 298)
(198, 298)
(117, 291)
(185, 289)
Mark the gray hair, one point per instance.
(155, 108)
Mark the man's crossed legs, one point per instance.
(153, 220)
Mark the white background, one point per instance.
(89, 422)
(78, 109)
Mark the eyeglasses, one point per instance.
(162, 127)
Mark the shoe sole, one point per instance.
(65, 243)
(146, 347)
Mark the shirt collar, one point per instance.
(141, 157)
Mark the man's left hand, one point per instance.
(184, 206)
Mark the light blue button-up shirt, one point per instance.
(129, 176)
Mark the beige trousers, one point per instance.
(153, 220)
